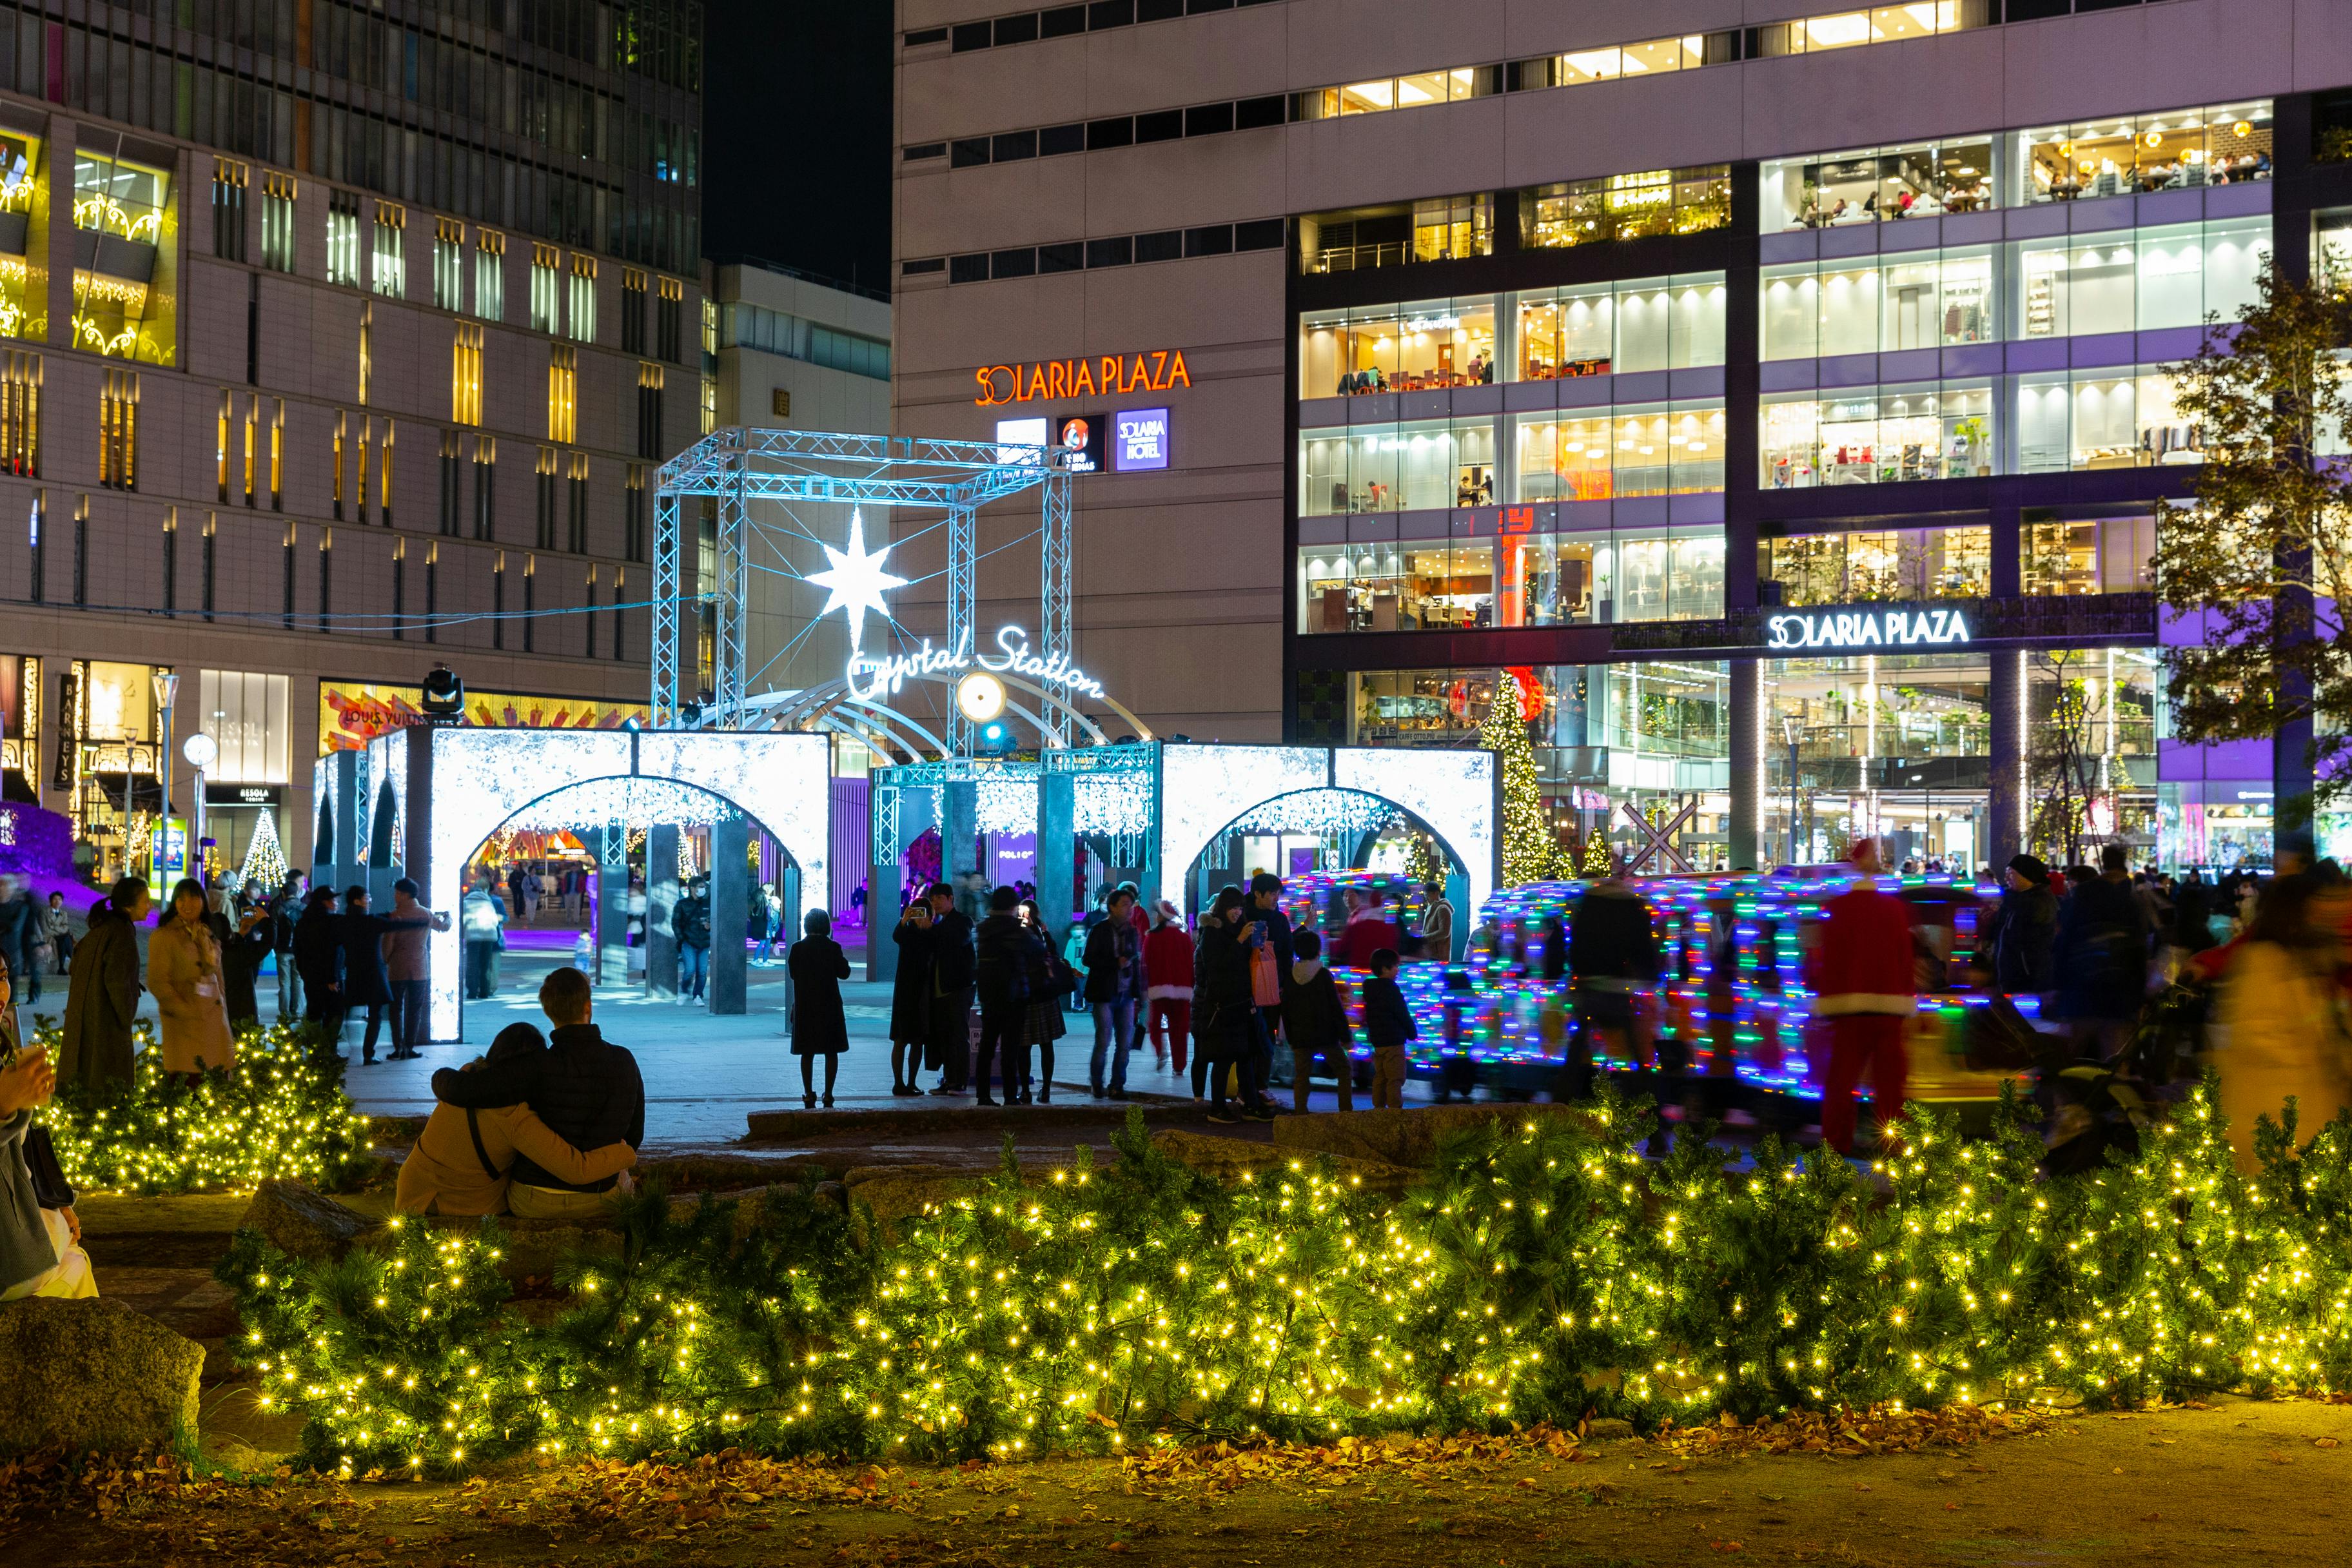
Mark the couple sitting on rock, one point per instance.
(542, 1128)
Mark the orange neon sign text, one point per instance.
(1112, 376)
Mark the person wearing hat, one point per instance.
(1860, 963)
(2023, 928)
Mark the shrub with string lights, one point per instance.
(1542, 1272)
(275, 1112)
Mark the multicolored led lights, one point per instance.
(1731, 988)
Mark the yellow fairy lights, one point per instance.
(274, 1113)
(1542, 1270)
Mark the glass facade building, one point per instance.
(1689, 414)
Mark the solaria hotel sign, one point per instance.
(1161, 370)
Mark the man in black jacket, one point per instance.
(585, 1088)
(690, 923)
(1003, 973)
(317, 950)
(285, 909)
(366, 983)
(952, 961)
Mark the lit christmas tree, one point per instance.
(1529, 851)
(1598, 862)
(264, 862)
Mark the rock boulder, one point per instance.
(303, 1222)
(1398, 1137)
(93, 1373)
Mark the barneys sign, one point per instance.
(1865, 628)
(1159, 371)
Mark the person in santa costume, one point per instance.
(1864, 974)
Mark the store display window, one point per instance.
(2102, 419)
(1666, 576)
(2062, 553)
(2177, 150)
(1878, 436)
(1886, 566)
(1625, 207)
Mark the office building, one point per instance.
(341, 342)
(1778, 396)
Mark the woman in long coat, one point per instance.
(820, 1028)
(183, 971)
(102, 1000)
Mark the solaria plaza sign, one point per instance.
(1161, 370)
(1865, 628)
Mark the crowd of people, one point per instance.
(1225, 993)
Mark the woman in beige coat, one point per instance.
(183, 971)
(2281, 1036)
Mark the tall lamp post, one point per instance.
(167, 692)
(200, 753)
(1793, 729)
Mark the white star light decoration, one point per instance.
(855, 581)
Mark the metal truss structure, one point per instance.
(738, 469)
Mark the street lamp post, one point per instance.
(1793, 729)
(167, 692)
(200, 751)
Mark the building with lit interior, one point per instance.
(1779, 399)
(339, 342)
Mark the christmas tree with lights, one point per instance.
(264, 862)
(1598, 861)
(1529, 848)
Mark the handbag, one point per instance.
(50, 1188)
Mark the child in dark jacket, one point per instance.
(1314, 1021)
(1388, 1024)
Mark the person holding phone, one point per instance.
(910, 997)
(184, 970)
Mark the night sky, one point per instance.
(797, 134)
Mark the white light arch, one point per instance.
(1205, 788)
(482, 777)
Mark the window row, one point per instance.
(1061, 22)
(126, 80)
(2184, 149)
(1597, 328)
(1524, 580)
(1425, 464)
(2058, 554)
(2067, 286)
(779, 333)
(1083, 255)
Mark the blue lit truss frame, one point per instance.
(739, 465)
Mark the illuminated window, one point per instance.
(486, 473)
(220, 448)
(530, 602)
(448, 264)
(326, 577)
(466, 376)
(343, 435)
(432, 591)
(390, 269)
(367, 348)
(546, 289)
(489, 275)
(709, 404)
(119, 428)
(499, 601)
(584, 298)
(588, 620)
(278, 455)
(343, 238)
(563, 394)
(20, 413)
(278, 221)
(229, 181)
(252, 448)
(383, 478)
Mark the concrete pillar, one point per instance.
(1741, 833)
(1057, 850)
(959, 829)
(730, 880)
(661, 903)
(2005, 798)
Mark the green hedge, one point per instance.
(1543, 1270)
(276, 1112)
